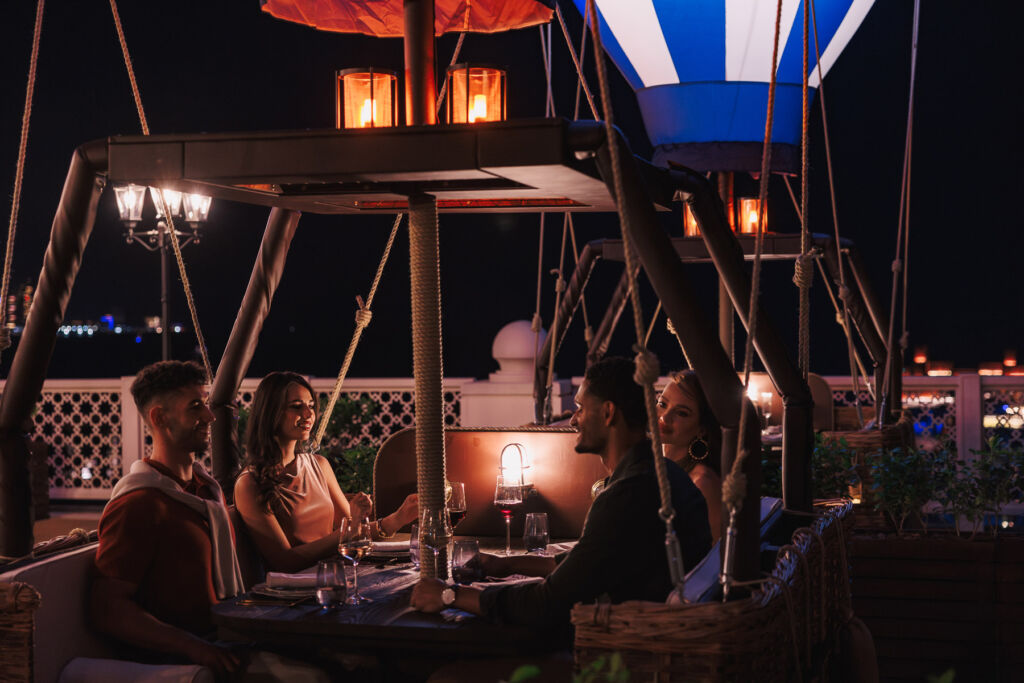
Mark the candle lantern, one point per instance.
(515, 464)
(365, 98)
(476, 93)
(920, 354)
(750, 216)
(130, 199)
(690, 227)
(1010, 358)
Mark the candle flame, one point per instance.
(366, 113)
(479, 109)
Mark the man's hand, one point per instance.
(490, 565)
(426, 596)
(221, 660)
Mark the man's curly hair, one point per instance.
(164, 377)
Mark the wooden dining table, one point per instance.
(386, 625)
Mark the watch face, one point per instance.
(448, 596)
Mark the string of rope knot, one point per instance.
(363, 317)
(535, 324)
(647, 368)
(734, 488)
(803, 271)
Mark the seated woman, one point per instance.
(290, 500)
(692, 438)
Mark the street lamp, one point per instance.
(194, 208)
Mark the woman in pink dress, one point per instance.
(290, 500)
(692, 438)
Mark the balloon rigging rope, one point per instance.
(803, 274)
(647, 369)
(171, 230)
(19, 173)
(577, 61)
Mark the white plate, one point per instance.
(276, 592)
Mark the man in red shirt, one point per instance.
(166, 552)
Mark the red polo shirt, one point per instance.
(163, 547)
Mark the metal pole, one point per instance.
(165, 307)
(726, 314)
(420, 81)
(72, 226)
(266, 275)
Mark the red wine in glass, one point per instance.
(508, 497)
(456, 516)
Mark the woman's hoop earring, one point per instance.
(698, 450)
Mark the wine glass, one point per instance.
(508, 496)
(456, 503)
(434, 533)
(354, 543)
(330, 582)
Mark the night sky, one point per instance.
(211, 66)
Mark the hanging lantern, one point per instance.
(920, 354)
(196, 207)
(171, 197)
(1010, 358)
(130, 199)
(365, 98)
(749, 216)
(690, 227)
(514, 464)
(476, 93)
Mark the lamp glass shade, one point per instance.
(130, 199)
(515, 463)
(171, 197)
(749, 216)
(476, 93)
(196, 207)
(366, 98)
(690, 227)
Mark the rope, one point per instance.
(581, 82)
(843, 287)
(843, 324)
(588, 331)
(796, 204)
(735, 485)
(545, 55)
(647, 366)
(536, 325)
(444, 84)
(559, 289)
(424, 267)
(171, 230)
(803, 274)
(363, 317)
(672, 330)
(654, 319)
(19, 174)
(902, 232)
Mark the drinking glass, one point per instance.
(766, 407)
(354, 543)
(508, 496)
(330, 582)
(465, 550)
(414, 545)
(535, 532)
(456, 503)
(434, 534)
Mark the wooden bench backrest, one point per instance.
(561, 477)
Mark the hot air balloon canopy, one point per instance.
(385, 19)
(701, 68)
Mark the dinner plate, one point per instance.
(276, 592)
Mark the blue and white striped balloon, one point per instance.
(701, 70)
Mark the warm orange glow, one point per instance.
(921, 354)
(940, 369)
(990, 369)
(366, 98)
(1010, 358)
(475, 93)
(749, 210)
(690, 227)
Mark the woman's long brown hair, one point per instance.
(689, 384)
(262, 448)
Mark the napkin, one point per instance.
(282, 580)
(389, 547)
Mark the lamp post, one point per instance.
(194, 208)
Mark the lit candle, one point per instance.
(366, 114)
(479, 108)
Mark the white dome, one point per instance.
(514, 349)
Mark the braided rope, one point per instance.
(424, 267)
(19, 174)
(171, 230)
(647, 366)
(581, 82)
(559, 290)
(588, 331)
(363, 317)
(841, 321)
(672, 330)
(803, 274)
(735, 484)
(444, 83)
(537, 324)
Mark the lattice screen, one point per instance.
(1004, 416)
(933, 413)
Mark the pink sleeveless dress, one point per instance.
(304, 509)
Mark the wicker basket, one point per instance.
(18, 603)
(782, 632)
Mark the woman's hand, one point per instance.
(408, 511)
(360, 506)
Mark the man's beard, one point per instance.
(590, 445)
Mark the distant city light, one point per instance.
(118, 329)
(138, 339)
(177, 328)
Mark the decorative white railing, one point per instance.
(95, 433)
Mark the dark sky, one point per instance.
(206, 66)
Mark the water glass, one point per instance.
(464, 551)
(535, 532)
(414, 545)
(330, 582)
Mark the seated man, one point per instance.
(166, 552)
(621, 553)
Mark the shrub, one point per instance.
(902, 482)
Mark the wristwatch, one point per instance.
(448, 597)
